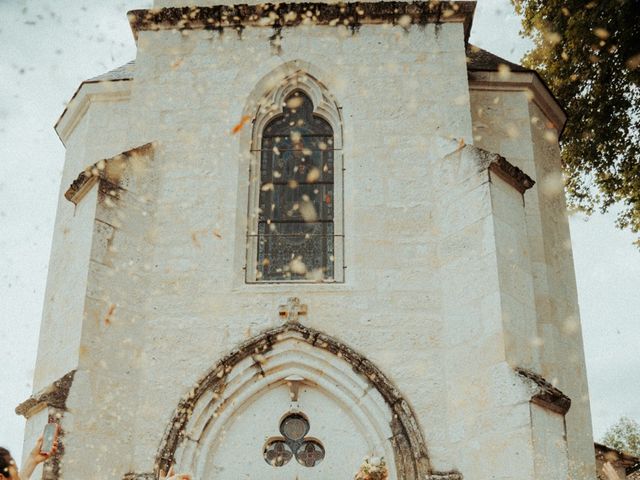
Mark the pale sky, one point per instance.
(49, 47)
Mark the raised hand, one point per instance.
(174, 476)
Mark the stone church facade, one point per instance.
(293, 235)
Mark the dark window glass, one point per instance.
(295, 224)
(277, 453)
(310, 453)
(279, 450)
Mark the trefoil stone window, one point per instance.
(279, 451)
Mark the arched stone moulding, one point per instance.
(280, 84)
(254, 375)
(265, 362)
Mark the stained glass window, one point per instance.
(310, 453)
(279, 450)
(294, 427)
(296, 201)
(277, 453)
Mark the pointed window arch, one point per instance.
(295, 218)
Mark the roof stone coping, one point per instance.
(279, 15)
(123, 72)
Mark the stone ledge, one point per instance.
(55, 395)
(433, 476)
(495, 164)
(109, 170)
(547, 396)
(279, 15)
(444, 476)
(511, 174)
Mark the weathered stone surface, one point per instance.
(455, 262)
(513, 119)
(54, 396)
(547, 396)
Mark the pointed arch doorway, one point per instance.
(272, 436)
(293, 403)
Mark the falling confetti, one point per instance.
(237, 127)
(313, 175)
(297, 266)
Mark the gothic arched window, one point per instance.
(295, 223)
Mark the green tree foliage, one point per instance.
(624, 436)
(588, 52)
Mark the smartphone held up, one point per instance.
(49, 437)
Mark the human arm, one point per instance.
(174, 476)
(35, 457)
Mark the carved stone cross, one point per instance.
(292, 310)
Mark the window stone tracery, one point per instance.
(295, 223)
(308, 452)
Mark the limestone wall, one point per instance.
(379, 76)
(439, 283)
(509, 123)
(67, 279)
(115, 329)
(76, 236)
(561, 330)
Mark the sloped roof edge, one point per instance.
(486, 70)
(629, 462)
(78, 100)
(479, 59)
(123, 72)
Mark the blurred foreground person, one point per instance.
(174, 476)
(610, 472)
(9, 469)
